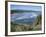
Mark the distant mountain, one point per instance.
(21, 11)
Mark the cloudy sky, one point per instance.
(25, 7)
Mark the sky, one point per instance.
(25, 7)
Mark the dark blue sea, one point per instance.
(25, 17)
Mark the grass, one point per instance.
(17, 28)
(20, 28)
